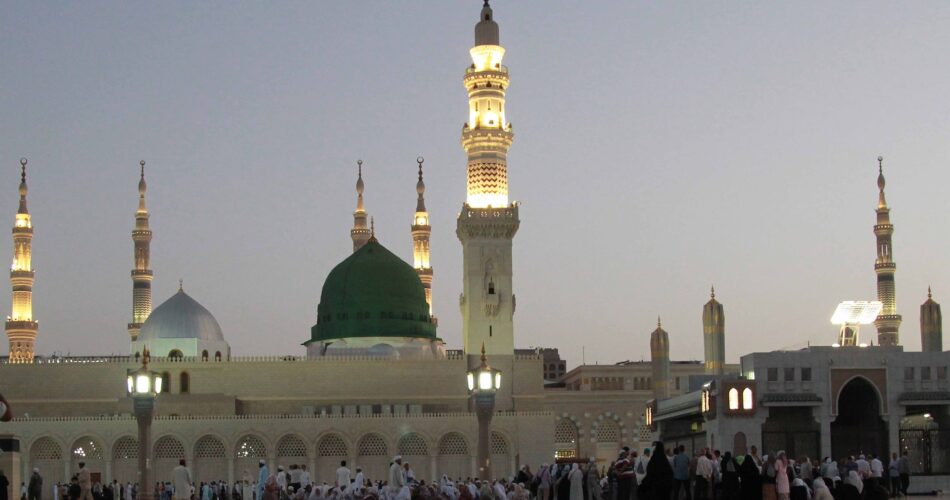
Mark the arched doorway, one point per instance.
(859, 427)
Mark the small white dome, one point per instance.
(181, 317)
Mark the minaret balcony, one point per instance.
(21, 325)
(24, 230)
(499, 72)
(141, 273)
(885, 266)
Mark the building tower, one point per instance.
(420, 239)
(141, 272)
(888, 322)
(487, 223)
(714, 335)
(931, 325)
(660, 361)
(21, 328)
(360, 233)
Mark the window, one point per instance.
(773, 374)
(677, 379)
(789, 374)
(217, 355)
(204, 355)
(941, 373)
(909, 373)
(166, 382)
(747, 398)
(184, 385)
(806, 374)
(733, 399)
(924, 373)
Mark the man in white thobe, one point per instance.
(182, 481)
(397, 478)
(360, 479)
(343, 476)
(262, 476)
(304, 477)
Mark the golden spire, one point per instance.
(712, 291)
(659, 324)
(359, 186)
(142, 187)
(420, 188)
(881, 203)
(23, 189)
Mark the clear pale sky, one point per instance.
(659, 147)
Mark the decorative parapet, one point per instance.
(379, 416)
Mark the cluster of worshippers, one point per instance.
(674, 474)
(401, 484)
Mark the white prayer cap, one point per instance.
(36, 470)
(397, 458)
(280, 467)
(261, 462)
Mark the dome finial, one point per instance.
(929, 293)
(712, 291)
(181, 285)
(484, 359)
(659, 324)
(23, 162)
(372, 230)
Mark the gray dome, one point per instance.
(181, 317)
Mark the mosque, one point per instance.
(374, 380)
(373, 345)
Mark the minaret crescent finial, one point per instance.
(712, 291)
(23, 162)
(659, 324)
(181, 285)
(929, 293)
(142, 164)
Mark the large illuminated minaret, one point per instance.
(714, 335)
(21, 328)
(360, 232)
(487, 222)
(931, 325)
(660, 361)
(421, 230)
(888, 322)
(141, 272)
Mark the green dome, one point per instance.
(372, 293)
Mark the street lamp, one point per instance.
(483, 382)
(143, 385)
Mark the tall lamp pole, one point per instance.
(483, 382)
(143, 385)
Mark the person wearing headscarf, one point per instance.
(821, 491)
(658, 482)
(563, 489)
(544, 482)
(576, 479)
(799, 490)
(593, 481)
(750, 480)
(729, 472)
(782, 486)
(854, 479)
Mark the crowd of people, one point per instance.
(658, 474)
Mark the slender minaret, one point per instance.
(420, 239)
(360, 233)
(888, 322)
(21, 328)
(141, 272)
(487, 222)
(931, 325)
(660, 361)
(714, 335)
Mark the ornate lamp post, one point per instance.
(483, 382)
(143, 385)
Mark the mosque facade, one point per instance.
(853, 397)
(375, 379)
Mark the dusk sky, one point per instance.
(660, 147)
